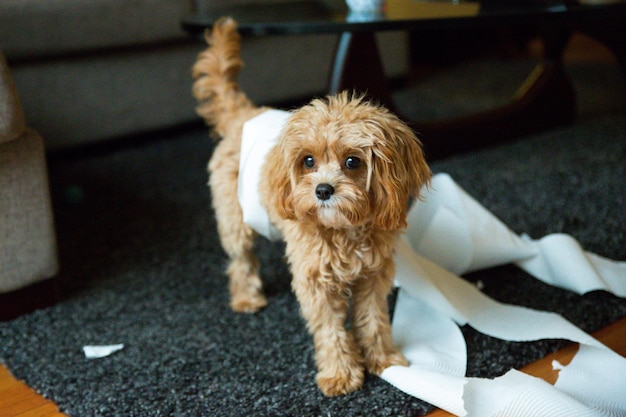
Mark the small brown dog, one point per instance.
(337, 186)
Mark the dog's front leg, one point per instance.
(339, 364)
(371, 324)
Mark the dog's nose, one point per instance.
(324, 191)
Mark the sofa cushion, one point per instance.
(31, 28)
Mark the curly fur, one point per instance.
(339, 246)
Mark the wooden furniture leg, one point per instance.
(358, 66)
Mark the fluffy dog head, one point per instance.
(342, 162)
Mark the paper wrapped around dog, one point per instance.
(258, 137)
(450, 233)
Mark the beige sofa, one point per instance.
(27, 238)
(91, 70)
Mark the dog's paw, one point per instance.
(343, 382)
(378, 363)
(248, 303)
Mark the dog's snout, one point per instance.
(324, 191)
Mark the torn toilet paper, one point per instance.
(100, 351)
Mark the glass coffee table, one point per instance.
(546, 99)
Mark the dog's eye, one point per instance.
(352, 162)
(309, 161)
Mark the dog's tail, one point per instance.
(215, 74)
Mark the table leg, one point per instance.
(358, 66)
(613, 38)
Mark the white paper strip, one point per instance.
(454, 231)
(562, 262)
(603, 368)
(428, 339)
(451, 229)
(100, 351)
(435, 347)
(258, 137)
(507, 322)
(516, 394)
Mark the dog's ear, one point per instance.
(277, 183)
(399, 172)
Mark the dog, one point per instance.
(337, 186)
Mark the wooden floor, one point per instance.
(18, 400)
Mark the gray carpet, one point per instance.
(143, 267)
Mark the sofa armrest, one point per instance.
(27, 238)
